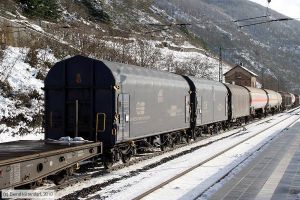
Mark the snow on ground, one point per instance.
(200, 179)
(129, 188)
(182, 56)
(22, 79)
(186, 54)
(20, 75)
(8, 135)
(145, 18)
(29, 24)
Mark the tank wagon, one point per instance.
(286, 100)
(293, 98)
(297, 100)
(258, 101)
(238, 104)
(274, 101)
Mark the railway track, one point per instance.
(98, 186)
(185, 172)
(94, 173)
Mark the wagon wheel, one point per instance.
(217, 129)
(108, 160)
(191, 135)
(126, 157)
(35, 184)
(32, 185)
(60, 178)
(166, 142)
(162, 147)
(188, 139)
(126, 154)
(198, 133)
(225, 127)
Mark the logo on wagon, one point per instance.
(78, 78)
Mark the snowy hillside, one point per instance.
(113, 30)
(21, 95)
(271, 47)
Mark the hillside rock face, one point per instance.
(115, 30)
(275, 46)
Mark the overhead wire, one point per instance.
(251, 18)
(267, 16)
(268, 21)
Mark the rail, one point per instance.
(211, 158)
(95, 173)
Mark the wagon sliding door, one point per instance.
(124, 113)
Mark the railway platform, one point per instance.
(273, 174)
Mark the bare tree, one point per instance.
(199, 68)
(145, 54)
(170, 63)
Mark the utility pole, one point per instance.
(220, 66)
(278, 82)
(262, 77)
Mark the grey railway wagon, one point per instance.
(113, 102)
(286, 100)
(211, 100)
(239, 101)
(22, 162)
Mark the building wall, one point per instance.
(253, 81)
(240, 77)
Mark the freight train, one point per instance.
(128, 107)
(121, 109)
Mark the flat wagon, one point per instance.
(28, 162)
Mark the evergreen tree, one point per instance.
(44, 9)
(96, 11)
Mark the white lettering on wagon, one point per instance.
(15, 174)
(160, 96)
(80, 153)
(140, 108)
(175, 111)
